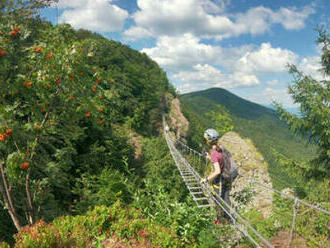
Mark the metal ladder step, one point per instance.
(191, 177)
(197, 193)
(200, 199)
(191, 180)
(204, 206)
(194, 187)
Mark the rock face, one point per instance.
(177, 120)
(135, 140)
(251, 166)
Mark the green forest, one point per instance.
(74, 109)
(70, 100)
(262, 125)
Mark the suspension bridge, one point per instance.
(204, 197)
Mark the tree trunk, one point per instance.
(8, 199)
(28, 194)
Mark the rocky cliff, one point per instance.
(178, 123)
(251, 167)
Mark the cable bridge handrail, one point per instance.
(192, 180)
(269, 188)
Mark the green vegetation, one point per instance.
(91, 229)
(70, 101)
(252, 121)
(221, 119)
(313, 97)
(300, 162)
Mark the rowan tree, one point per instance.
(48, 95)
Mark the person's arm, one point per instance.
(214, 174)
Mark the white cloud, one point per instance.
(265, 60)
(183, 52)
(268, 95)
(243, 79)
(312, 66)
(95, 15)
(201, 77)
(292, 18)
(136, 33)
(196, 65)
(206, 76)
(207, 19)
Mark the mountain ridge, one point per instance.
(251, 120)
(251, 109)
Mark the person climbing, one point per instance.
(224, 169)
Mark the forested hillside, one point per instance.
(82, 159)
(74, 107)
(262, 125)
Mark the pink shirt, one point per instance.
(217, 157)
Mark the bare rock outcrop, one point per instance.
(178, 123)
(252, 167)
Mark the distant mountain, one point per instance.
(258, 123)
(293, 110)
(236, 105)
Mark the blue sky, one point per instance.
(240, 45)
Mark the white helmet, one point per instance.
(211, 135)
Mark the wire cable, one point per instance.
(279, 192)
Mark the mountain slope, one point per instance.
(252, 121)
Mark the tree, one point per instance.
(314, 121)
(48, 96)
(221, 119)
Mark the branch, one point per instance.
(7, 198)
(27, 178)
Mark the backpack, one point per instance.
(229, 170)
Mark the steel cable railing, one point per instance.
(217, 200)
(184, 166)
(274, 190)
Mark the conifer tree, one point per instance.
(313, 96)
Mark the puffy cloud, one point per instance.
(292, 18)
(312, 66)
(243, 79)
(183, 52)
(197, 65)
(199, 78)
(95, 15)
(206, 76)
(136, 33)
(266, 59)
(207, 19)
(268, 95)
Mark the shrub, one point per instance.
(99, 223)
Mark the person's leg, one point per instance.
(225, 190)
(216, 185)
